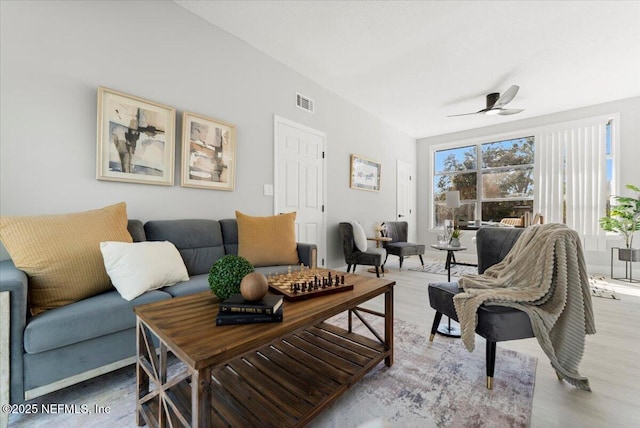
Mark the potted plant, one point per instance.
(455, 237)
(226, 275)
(624, 219)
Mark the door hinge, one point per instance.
(322, 262)
(323, 208)
(322, 155)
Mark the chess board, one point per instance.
(307, 283)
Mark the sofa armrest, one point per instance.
(15, 282)
(307, 254)
(493, 244)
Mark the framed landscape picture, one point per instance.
(208, 153)
(136, 139)
(365, 174)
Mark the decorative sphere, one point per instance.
(254, 286)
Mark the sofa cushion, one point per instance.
(61, 253)
(266, 241)
(198, 241)
(196, 284)
(92, 317)
(141, 266)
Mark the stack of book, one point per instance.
(237, 310)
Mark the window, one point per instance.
(565, 172)
(499, 185)
(609, 163)
(455, 169)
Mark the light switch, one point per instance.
(268, 189)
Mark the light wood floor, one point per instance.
(611, 360)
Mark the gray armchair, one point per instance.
(494, 323)
(398, 231)
(353, 256)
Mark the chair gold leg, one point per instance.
(431, 336)
(559, 376)
(489, 382)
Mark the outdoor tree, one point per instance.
(507, 174)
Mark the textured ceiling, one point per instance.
(412, 63)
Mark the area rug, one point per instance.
(431, 384)
(439, 269)
(437, 384)
(601, 288)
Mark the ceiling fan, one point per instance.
(496, 103)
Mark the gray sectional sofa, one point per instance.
(90, 337)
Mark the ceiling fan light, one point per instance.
(492, 112)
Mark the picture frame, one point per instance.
(135, 139)
(208, 153)
(365, 174)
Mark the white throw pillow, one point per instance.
(359, 237)
(137, 267)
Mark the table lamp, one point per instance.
(453, 202)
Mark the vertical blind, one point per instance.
(570, 171)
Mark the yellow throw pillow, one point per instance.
(61, 253)
(268, 241)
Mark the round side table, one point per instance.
(448, 329)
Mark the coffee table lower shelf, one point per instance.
(286, 383)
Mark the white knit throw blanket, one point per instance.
(545, 276)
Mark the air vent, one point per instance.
(305, 103)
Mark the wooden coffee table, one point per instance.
(276, 374)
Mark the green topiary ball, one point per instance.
(226, 274)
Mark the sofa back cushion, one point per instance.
(229, 228)
(198, 241)
(61, 253)
(136, 230)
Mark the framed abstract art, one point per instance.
(208, 153)
(136, 139)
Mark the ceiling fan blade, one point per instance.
(507, 96)
(465, 114)
(491, 100)
(507, 111)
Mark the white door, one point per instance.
(406, 197)
(300, 180)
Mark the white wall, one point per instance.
(55, 54)
(628, 162)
